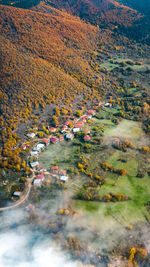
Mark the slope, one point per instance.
(45, 55)
(102, 12)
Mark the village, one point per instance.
(56, 134)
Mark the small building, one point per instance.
(39, 147)
(64, 178)
(88, 117)
(37, 182)
(54, 168)
(76, 130)
(87, 138)
(51, 129)
(54, 140)
(69, 136)
(39, 179)
(66, 123)
(61, 138)
(45, 141)
(64, 129)
(108, 105)
(63, 172)
(34, 164)
(31, 135)
(34, 153)
(16, 194)
(92, 112)
(40, 176)
(24, 146)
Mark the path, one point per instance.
(23, 199)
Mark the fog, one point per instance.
(21, 245)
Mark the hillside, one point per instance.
(105, 13)
(98, 12)
(45, 56)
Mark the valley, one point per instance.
(74, 135)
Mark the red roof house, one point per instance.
(87, 138)
(61, 138)
(45, 141)
(54, 140)
(54, 168)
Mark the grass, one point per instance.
(123, 213)
(103, 215)
(127, 129)
(60, 153)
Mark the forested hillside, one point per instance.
(98, 12)
(44, 58)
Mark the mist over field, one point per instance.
(22, 245)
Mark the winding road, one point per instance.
(22, 199)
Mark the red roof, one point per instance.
(54, 168)
(46, 141)
(62, 172)
(87, 138)
(54, 139)
(66, 123)
(40, 176)
(52, 129)
(61, 138)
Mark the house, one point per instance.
(45, 141)
(16, 194)
(34, 164)
(39, 147)
(66, 123)
(64, 178)
(39, 179)
(109, 105)
(24, 146)
(37, 182)
(76, 130)
(31, 135)
(54, 140)
(88, 117)
(34, 153)
(92, 111)
(51, 129)
(54, 168)
(40, 176)
(62, 172)
(61, 138)
(69, 136)
(87, 138)
(64, 129)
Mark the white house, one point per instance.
(39, 147)
(108, 105)
(76, 130)
(69, 136)
(31, 135)
(34, 164)
(64, 178)
(34, 153)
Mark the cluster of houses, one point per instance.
(55, 173)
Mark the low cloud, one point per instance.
(21, 246)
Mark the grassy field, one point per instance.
(103, 215)
(123, 213)
(60, 153)
(127, 129)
